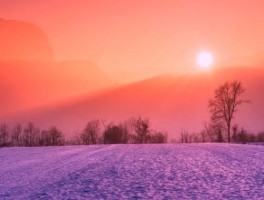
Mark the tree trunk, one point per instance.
(228, 133)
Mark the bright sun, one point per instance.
(205, 60)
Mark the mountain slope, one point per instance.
(23, 41)
(29, 84)
(29, 74)
(172, 102)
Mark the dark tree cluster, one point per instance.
(215, 134)
(30, 136)
(91, 132)
(136, 130)
(243, 136)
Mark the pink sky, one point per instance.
(137, 39)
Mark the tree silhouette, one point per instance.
(31, 135)
(91, 132)
(225, 103)
(3, 135)
(17, 135)
(141, 127)
(51, 137)
(158, 137)
(115, 134)
(45, 139)
(56, 136)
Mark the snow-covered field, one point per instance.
(171, 171)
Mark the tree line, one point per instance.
(136, 130)
(30, 136)
(222, 108)
(218, 135)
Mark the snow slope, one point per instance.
(171, 171)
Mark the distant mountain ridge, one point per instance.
(38, 83)
(29, 74)
(21, 41)
(173, 103)
(30, 77)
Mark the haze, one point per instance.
(112, 59)
(132, 40)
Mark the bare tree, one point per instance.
(51, 137)
(126, 126)
(75, 139)
(56, 136)
(3, 135)
(141, 127)
(184, 137)
(91, 132)
(224, 104)
(203, 136)
(16, 136)
(260, 137)
(44, 138)
(214, 132)
(158, 137)
(115, 134)
(31, 135)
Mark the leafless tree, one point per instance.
(158, 137)
(4, 136)
(51, 137)
(31, 135)
(260, 137)
(142, 129)
(75, 139)
(225, 103)
(184, 137)
(115, 134)
(16, 136)
(203, 136)
(56, 136)
(126, 127)
(91, 132)
(44, 138)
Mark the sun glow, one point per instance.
(205, 60)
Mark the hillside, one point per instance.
(173, 103)
(21, 41)
(196, 171)
(29, 74)
(29, 84)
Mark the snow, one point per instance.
(167, 171)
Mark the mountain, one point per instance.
(29, 84)
(172, 102)
(29, 75)
(21, 41)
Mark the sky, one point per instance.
(132, 40)
(100, 45)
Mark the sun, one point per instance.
(205, 60)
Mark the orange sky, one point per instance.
(121, 41)
(140, 38)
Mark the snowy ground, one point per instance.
(191, 171)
